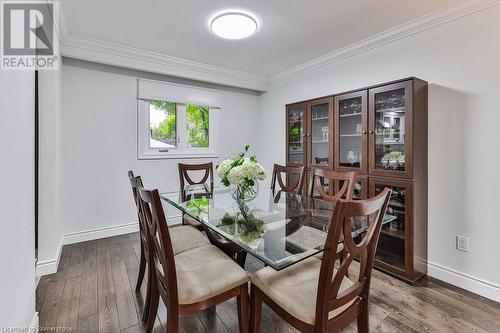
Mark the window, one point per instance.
(176, 121)
(163, 124)
(169, 129)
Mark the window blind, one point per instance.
(178, 93)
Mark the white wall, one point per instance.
(99, 140)
(50, 99)
(460, 62)
(17, 242)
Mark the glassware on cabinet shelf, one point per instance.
(319, 131)
(350, 137)
(295, 135)
(352, 157)
(390, 115)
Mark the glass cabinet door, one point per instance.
(295, 134)
(319, 137)
(390, 130)
(392, 245)
(360, 188)
(351, 130)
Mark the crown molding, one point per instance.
(447, 14)
(124, 56)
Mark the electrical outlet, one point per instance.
(463, 243)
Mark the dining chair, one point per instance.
(319, 174)
(205, 190)
(185, 180)
(190, 281)
(184, 238)
(298, 171)
(302, 236)
(313, 295)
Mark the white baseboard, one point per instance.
(87, 235)
(50, 266)
(473, 284)
(34, 324)
(47, 267)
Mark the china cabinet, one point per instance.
(309, 139)
(379, 132)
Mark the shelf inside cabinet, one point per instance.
(393, 233)
(320, 118)
(400, 109)
(350, 115)
(396, 204)
(350, 135)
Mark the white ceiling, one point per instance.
(290, 32)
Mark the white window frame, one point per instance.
(181, 150)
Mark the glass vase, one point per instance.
(245, 193)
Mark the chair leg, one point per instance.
(242, 301)
(147, 301)
(142, 269)
(152, 309)
(172, 321)
(255, 310)
(363, 322)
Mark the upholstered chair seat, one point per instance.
(188, 220)
(295, 288)
(205, 272)
(307, 238)
(185, 238)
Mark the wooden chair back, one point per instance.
(329, 295)
(347, 189)
(278, 170)
(184, 176)
(136, 182)
(160, 245)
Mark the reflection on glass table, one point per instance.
(278, 228)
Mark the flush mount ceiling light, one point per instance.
(233, 25)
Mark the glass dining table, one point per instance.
(278, 228)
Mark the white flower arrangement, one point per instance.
(240, 171)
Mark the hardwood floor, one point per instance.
(93, 291)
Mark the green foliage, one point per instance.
(225, 181)
(294, 133)
(168, 107)
(197, 126)
(166, 130)
(238, 160)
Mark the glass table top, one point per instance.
(278, 228)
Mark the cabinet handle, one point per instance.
(371, 132)
(364, 132)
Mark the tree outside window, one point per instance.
(197, 126)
